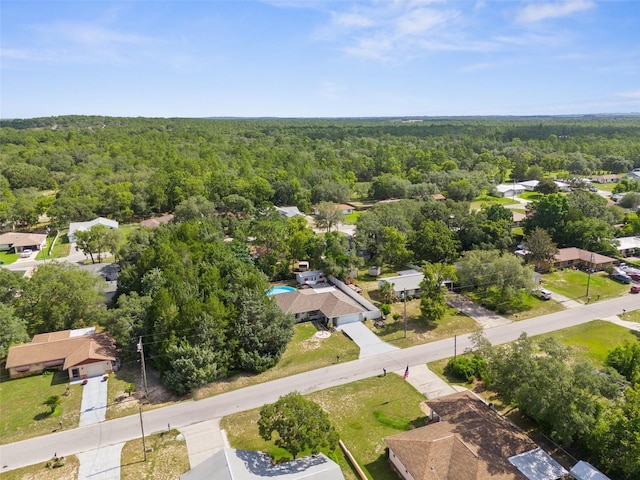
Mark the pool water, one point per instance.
(280, 289)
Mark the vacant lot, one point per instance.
(167, 457)
(40, 472)
(23, 413)
(573, 284)
(363, 412)
(305, 352)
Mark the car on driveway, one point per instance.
(635, 289)
(26, 253)
(542, 294)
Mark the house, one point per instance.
(438, 197)
(628, 246)
(83, 352)
(20, 241)
(82, 226)
(407, 282)
(157, 221)
(530, 185)
(468, 440)
(289, 212)
(579, 258)
(585, 471)
(310, 277)
(509, 190)
(374, 271)
(230, 464)
(346, 209)
(612, 178)
(634, 174)
(326, 304)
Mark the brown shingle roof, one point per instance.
(156, 221)
(573, 253)
(332, 304)
(60, 346)
(472, 442)
(16, 239)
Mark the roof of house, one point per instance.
(509, 187)
(471, 442)
(157, 221)
(585, 471)
(345, 206)
(75, 226)
(68, 345)
(231, 464)
(16, 239)
(573, 253)
(438, 196)
(407, 281)
(289, 212)
(627, 243)
(330, 301)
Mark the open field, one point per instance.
(23, 413)
(573, 284)
(167, 458)
(363, 413)
(305, 352)
(39, 471)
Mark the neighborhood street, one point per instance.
(100, 435)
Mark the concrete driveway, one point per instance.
(368, 341)
(100, 464)
(94, 401)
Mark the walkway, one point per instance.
(203, 440)
(566, 302)
(100, 464)
(428, 383)
(369, 343)
(94, 401)
(623, 323)
(486, 318)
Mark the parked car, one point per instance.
(634, 276)
(26, 253)
(635, 289)
(542, 293)
(621, 277)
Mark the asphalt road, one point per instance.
(91, 437)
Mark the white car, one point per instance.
(542, 293)
(26, 253)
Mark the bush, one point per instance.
(467, 367)
(385, 308)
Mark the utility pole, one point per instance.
(589, 275)
(405, 313)
(144, 368)
(144, 445)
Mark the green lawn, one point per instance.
(537, 308)
(167, 457)
(605, 187)
(305, 352)
(40, 471)
(486, 200)
(531, 196)
(573, 284)
(363, 413)
(60, 249)
(6, 258)
(23, 413)
(350, 218)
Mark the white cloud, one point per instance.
(635, 94)
(91, 35)
(538, 11)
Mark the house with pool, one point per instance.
(333, 304)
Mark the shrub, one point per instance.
(385, 308)
(467, 367)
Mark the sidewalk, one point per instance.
(565, 301)
(203, 440)
(100, 464)
(623, 323)
(486, 318)
(369, 343)
(427, 382)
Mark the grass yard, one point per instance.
(119, 402)
(531, 196)
(573, 284)
(537, 308)
(631, 316)
(60, 249)
(593, 340)
(167, 460)
(305, 352)
(419, 332)
(350, 218)
(605, 187)
(487, 200)
(25, 416)
(39, 471)
(363, 413)
(7, 258)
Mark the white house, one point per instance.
(628, 246)
(509, 190)
(310, 277)
(82, 226)
(407, 282)
(289, 212)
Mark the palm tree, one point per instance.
(53, 402)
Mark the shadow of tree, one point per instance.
(59, 378)
(380, 469)
(42, 416)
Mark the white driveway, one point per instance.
(100, 464)
(94, 401)
(368, 341)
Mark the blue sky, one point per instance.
(296, 58)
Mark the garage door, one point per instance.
(354, 317)
(94, 369)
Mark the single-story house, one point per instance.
(156, 221)
(230, 464)
(467, 439)
(509, 190)
(82, 226)
(407, 282)
(310, 277)
(530, 185)
(610, 178)
(634, 174)
(19, 241)
(628, 246)
(579, 258)
(83, 352)
(517, 217)
(324, 304)
(346, 209)
(438, 197)
(289, 212)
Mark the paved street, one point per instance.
(112, 432)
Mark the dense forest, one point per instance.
(194, 289)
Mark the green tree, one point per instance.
(540, 246)
(549, 213)
(13, 330)
(301, 425)
(626, 360)
(53, 402)
(328, 215)
(194, 208)
(385, 290)
(394, 246)
(546, 186)
(97, 241)
(434, 242)
(433, 302)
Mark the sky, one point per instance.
(312, 58)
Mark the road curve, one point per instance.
(41, 449)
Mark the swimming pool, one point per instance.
(280, 289)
